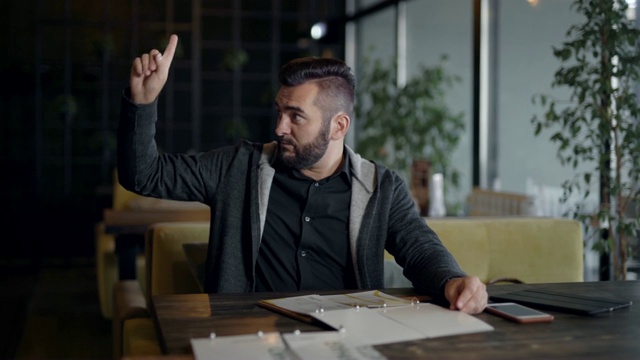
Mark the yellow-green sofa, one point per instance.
(530, 249)
(527, 249)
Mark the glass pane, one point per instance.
(520, 40)
(376, 35)
(256, 29)
(256, 5)
(257, 94)
(217, 93)
(217, 28)
(218, 4)
(259, 128)
(213, 129)
(426, 43)
(258, 61)
(182, 11)
(182, 109)
(152, 10)
(376, 40)
(363, 4)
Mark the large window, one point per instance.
(416, 33)
(514, 61)
(516, 43)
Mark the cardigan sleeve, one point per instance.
(143, 169)
(426, 262)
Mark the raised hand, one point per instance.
(149, 73)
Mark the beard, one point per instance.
(304, 156)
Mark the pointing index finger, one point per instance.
(170, 50)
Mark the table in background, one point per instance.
(129, 227)
(120, 222)
(182, 317)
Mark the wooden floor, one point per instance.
(52, 312)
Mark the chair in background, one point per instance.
(167, 271)
(106, 258)
(420, 185)
(498, 203)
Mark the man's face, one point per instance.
(303, 135)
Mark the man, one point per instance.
(304, 212)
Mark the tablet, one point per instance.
(563, 302)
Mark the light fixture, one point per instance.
(318, 30)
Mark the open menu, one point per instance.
(302, 307)
(379, 318)
(360, 320)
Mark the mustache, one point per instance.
(283, 140)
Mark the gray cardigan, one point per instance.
(235, 182)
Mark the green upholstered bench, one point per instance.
(528, 249)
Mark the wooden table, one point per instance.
(120, 222)
(614, 335)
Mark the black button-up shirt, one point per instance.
(305, 243)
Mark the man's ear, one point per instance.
(339, 126)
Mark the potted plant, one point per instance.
(597, 127)
(401, 125)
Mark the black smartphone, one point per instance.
(518, 313)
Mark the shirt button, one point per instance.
(307, 219)
(303, 253)
(316, 184)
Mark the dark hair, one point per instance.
(333, 76)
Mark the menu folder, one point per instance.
(303, 307)
(291, 313)
(378, 318)
(564, 302)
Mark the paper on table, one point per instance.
(369, 325)
(402, 323)
(308, 304)
(268, 346)
(373, 298)
(330, 345)
(301, 307)
(299, 346)
(435, 321)
(379, 318)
